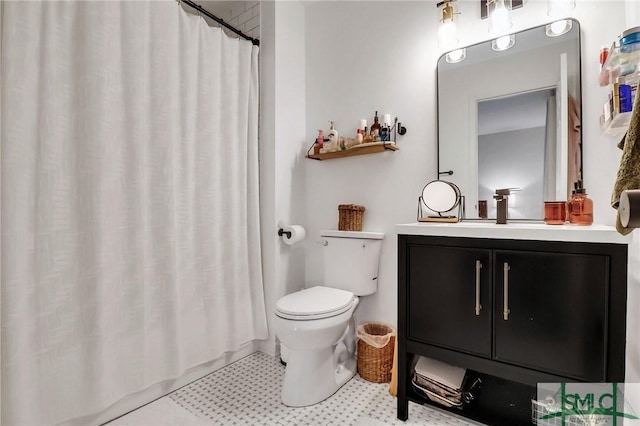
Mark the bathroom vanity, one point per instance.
(515, 305)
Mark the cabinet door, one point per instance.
(444, 285)
(556, 312)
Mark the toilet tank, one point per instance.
(351, 260)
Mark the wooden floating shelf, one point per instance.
(371, 149)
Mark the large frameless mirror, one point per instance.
(511, 119)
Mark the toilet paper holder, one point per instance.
(291, 234)
(282, 232)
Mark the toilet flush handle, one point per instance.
(323, 242)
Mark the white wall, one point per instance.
(374, 56)
(632, 13)
(282, 127)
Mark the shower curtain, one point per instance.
(129, 190)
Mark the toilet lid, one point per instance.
(314, 302)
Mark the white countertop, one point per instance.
(517, 231)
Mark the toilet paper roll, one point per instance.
(629, 208)
(297, 234)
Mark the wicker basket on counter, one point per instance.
(350, 217)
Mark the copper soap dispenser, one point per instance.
(580, 206)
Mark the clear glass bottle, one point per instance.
(580, 207)
(320, 139)
(319, 145)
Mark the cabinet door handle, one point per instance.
(478, 305)
(506, 310)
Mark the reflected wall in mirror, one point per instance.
(511, 119)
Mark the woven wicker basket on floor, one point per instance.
(374, 364)
(350, 217)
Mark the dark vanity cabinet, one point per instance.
(451, 280)
(517, 311)
(551, 312)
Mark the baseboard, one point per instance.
(137, 400)
(269, 347)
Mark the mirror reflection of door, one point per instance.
(517, 149)
(536, 63)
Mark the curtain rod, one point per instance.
(208, 14)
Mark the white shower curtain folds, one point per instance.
(129, 179)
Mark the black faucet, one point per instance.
(501, 196)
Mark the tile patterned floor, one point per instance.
(247, 392)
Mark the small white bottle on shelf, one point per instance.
(333, 135)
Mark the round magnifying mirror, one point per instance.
(441, 196)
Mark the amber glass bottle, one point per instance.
(580, 207)
(375, 127)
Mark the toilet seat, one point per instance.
(314, 303)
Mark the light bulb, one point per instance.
(448, 34)
(500, 14)
(558, 28)
(500, 20)
(447, 28)
(503, 43)
(455, 56)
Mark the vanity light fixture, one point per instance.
(456, 56)
(499, 16)
(560, 8)
(447, 27)
(503, 43)
(558, 28)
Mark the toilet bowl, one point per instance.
(316, 325)
(319, 335)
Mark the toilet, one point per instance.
(316, 324)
